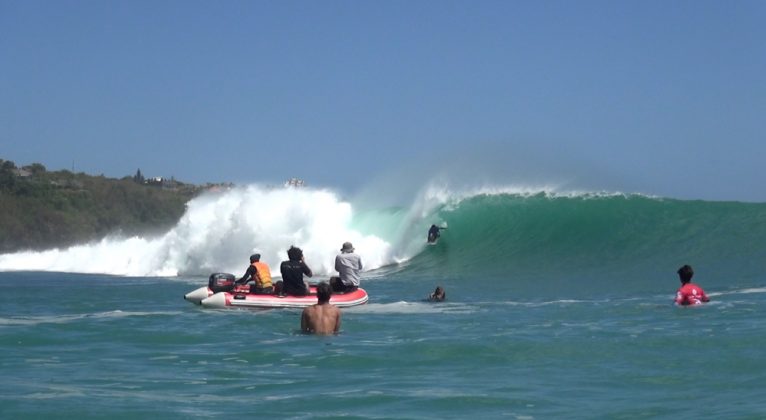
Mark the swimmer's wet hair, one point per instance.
(324, 291)
(686, 273)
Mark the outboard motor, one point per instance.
(221, 282)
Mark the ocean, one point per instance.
(559, 305)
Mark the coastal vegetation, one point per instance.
(42, 209)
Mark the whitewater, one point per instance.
(219, 230)
(491, 229)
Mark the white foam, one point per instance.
(220, 230)
(445, 194)
(404, 307)
(218, 233)
(66, 319)
(740, 292)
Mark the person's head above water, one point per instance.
(438, 294)
(685, 273)
(324, 291)
(255, 258)
(295, 253)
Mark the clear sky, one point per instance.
(657, 97)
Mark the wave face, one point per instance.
(503, 234)
(602, 241)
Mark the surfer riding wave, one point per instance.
(434, 234)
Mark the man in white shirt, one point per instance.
(349, 265)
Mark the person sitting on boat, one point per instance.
(324, 317)
(260, 274)
(438, 295)
(433, 233)
(689, 293)
(292, 274)
(348, 265)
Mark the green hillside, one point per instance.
(41, 209)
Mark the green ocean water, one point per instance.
(558, 307)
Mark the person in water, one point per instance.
(292, 273)
(348, 264)
(438, 295)
(324, 317)
(433, 233)
(260, 274)
(689, 293)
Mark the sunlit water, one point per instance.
(90, 346)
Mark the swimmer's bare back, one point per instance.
(321, 319)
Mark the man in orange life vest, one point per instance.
(260, 274)
(689, 293)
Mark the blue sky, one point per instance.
(658, 97)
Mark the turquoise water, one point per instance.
(75, 346)
(557, 308)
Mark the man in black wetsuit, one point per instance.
(292, 273)
(433, 233)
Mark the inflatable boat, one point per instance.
(221, 292)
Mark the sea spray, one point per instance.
(218, 232)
